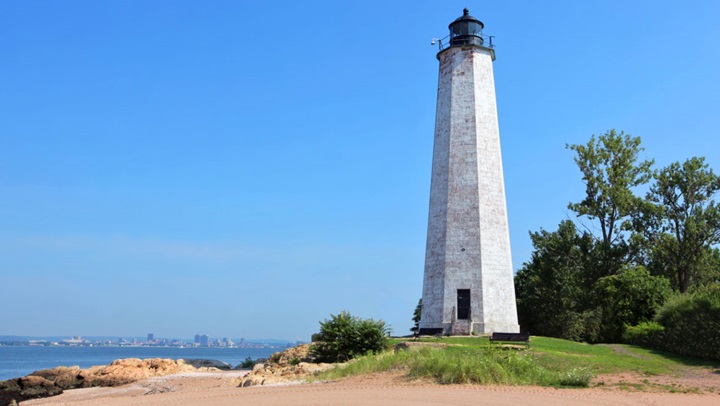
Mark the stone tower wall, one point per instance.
(468, 244)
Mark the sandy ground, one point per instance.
(218, 388)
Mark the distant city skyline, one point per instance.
(141, 337)
(199, 341)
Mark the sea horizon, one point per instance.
(57, 337)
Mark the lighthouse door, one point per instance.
(463, 304)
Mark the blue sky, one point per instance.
(241, 169)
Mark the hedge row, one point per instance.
(687, 324)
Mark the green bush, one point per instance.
(629, 298)
(646, 334)
(248, 363)
(692, 323)
(344, 337)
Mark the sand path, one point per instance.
(381, 389)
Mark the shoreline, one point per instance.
(220, 388)
(280, 381)
(50, 383)
(19, 361)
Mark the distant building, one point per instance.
(151, 337)
(204, 340)
(74, 341)
(197, 339)
(242, 342)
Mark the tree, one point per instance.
(611, 169)
(416, 317)
(552, 289)
(593, 285)
(687, 220)
(708, 271)
(629, 298)
(705, 272)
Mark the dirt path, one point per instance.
(380, 389)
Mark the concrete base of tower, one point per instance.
(463, 328)
(489, 328)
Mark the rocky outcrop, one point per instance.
(63, 377)
(208, 363)
(29, 387)
(293, 364)
(51, 382)
(123, 371)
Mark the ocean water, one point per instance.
(21, 361)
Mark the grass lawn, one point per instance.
(557, 354)
(548, 362)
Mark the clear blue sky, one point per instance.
(245, 169)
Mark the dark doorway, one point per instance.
(463, 304)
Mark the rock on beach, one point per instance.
(51, 382)
(290, 365)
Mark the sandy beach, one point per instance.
(219, 388)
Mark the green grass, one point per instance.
(489, 366)
(465, 364)
(369, 364)
(549, 362)
(601, 359)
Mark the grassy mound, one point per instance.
(489, 365)
(550, 362)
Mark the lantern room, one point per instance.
(466, 30)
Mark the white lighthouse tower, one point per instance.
(468, 284)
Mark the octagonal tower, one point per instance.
(468, 283)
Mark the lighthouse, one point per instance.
(468, 281)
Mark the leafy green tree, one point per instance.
(705, 272)
(687, 222)
(344, 337)
(708, 271)
(629, 298)
(416, 317)
(611, 169)
(614, 275)
(552, 289)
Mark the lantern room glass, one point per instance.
(466, 28)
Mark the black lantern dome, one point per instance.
(466, 30)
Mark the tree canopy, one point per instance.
(611, 168)
(619, 260)
(687, 218)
